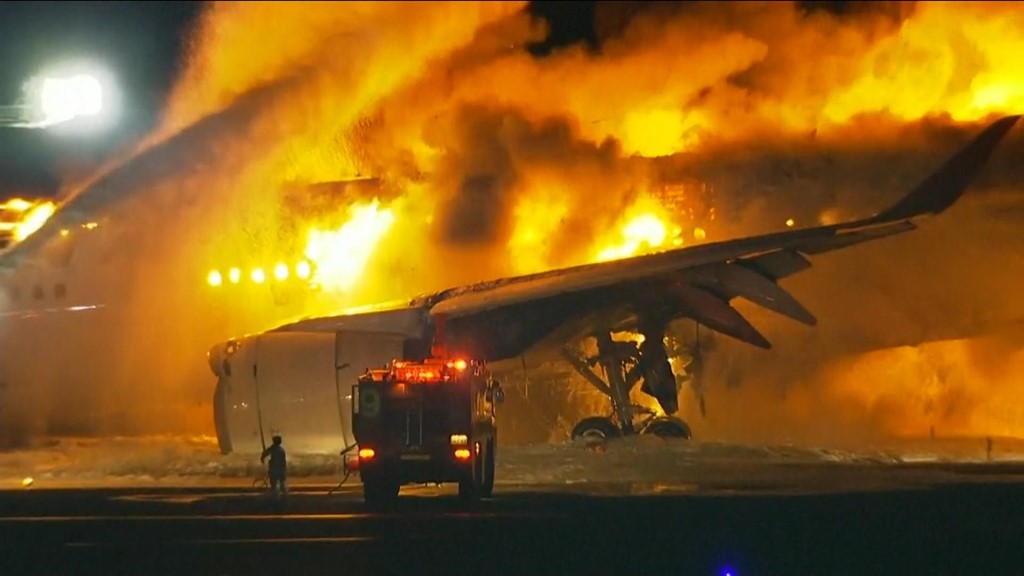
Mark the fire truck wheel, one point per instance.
(468, 489)
(596, 427)
(379, 491)
(488, 484)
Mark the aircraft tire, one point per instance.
(596, 427)
(668, 427)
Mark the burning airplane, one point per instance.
(332, 169)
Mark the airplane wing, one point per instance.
(540, 313)
(696, 282)
(502, 318)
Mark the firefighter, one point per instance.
(278, 469)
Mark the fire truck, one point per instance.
(426, 422)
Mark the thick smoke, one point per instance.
(497, 162)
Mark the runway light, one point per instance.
(234, 275)
(281, 272)
(214, 278)
(258, 275)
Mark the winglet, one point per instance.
(944, 186)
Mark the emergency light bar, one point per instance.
(427, 372)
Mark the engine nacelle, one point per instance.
(296, 384)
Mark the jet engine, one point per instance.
(296, 384)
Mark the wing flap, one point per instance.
(734, 280)
(715, 313)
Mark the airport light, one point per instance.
(63, 99)
(281, 272)
(80, 92)
(214, 278)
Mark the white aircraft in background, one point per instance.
(296, 379)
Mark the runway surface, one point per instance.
(642, 507)
(975, 526)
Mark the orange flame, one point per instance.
(30, 216)
(429, 97)
(959, 58)
(340, 255)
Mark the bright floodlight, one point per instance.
(64, 99)
(75, 96)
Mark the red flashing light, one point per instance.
(462, 454)
(367, 453)
(418, 374)
(429, 371)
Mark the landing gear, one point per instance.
(625, 364)
(596, 428)
(667, 427)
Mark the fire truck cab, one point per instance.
(426, 422)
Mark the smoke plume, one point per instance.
(719, 119)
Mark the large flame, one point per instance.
(496, 162)
(958, 58)
(341, 254)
